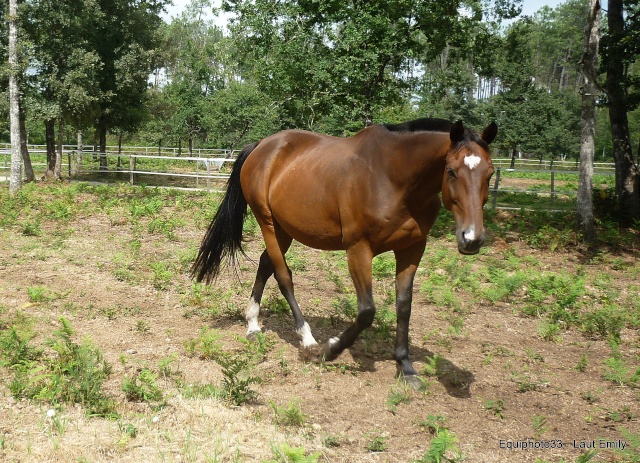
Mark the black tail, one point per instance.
(224, 236)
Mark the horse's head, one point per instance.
(465, 185)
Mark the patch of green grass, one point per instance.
(161, 275)
(606, 322)
(288, 415)
(37, 293)
(632, 451)
(548, 330)
(205, 346)
(201, 391)
(495, 406)
(582, 364)
(165, 226)
(398, 394)
(377, 443)
(540, 425)
(383, 266)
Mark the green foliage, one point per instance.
(201, 391)
(15, 348)
(443, 448)
(398, 394)
(377, 443)
(632, 452)
(617, 371)
(161, 275)
(548, 330)
(289, 415)
(540, 425)
(433, 424)
(237, 366)
(286, 454)
(143, 387)
(434, 365)
(207, 345)
(495, 406)
(37, 293)
(383, 266)
(75, 374)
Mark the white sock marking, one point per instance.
(472, 161)
(251, 314)
(306, 336)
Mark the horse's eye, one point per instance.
(451, 172)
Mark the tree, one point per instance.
(126, 38)
(15, 181)
(64, 67)
(343, 61)
(619, 51)
(588, 122)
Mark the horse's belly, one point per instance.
(308, 222)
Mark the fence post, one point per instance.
(208, 177)
(131, 168)
(495, 190)
(553, 186)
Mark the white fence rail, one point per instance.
(204, 168)
(201, 166)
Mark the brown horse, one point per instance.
(374, 192)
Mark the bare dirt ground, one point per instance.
(136, 323)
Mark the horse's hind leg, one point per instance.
(278, 243)
(265, 270)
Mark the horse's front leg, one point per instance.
(407, 262)
(359, 258)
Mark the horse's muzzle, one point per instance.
(469, 241)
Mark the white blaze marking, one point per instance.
(306, 336)
(470, 234)
(253, 310)
(472, 161)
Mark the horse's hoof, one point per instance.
(414, 382)
(252, 335)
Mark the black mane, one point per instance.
(432, 124)
(425, 124)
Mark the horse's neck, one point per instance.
(426, 160)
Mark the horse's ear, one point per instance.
(489, 134)
(457, 132)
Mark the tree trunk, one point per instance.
(15, 181)
(514, 151)
(626, 171)
(26, 158)
(588, 123)
(50, 139)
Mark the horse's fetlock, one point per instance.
(366, 317)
